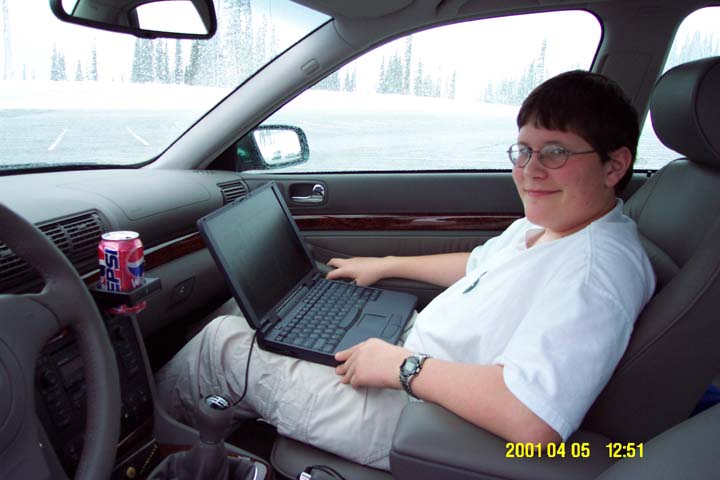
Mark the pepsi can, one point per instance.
(122, 266)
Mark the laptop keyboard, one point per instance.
(328, 310)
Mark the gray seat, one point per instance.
(688, 450)
(673, 353)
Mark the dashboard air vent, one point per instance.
(77, 237)
(232, 190)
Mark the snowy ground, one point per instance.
(89, 122)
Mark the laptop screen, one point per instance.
(259, 249)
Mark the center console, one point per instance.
(60, 387)
(147, 434)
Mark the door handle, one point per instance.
(317, 196)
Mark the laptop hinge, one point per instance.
(270, 323)
(310, 280)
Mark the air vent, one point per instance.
(77, 237)
(232, 190)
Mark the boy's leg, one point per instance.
(304, 400)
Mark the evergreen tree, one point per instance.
(331, 82)
(391, 77)
(62, 71)
(191, 71)
(142, 67)
(54, 67)
(7, 73)
(513, 91)
(381, 81)
(261, 57)
(79, 77)
(424, 85)
(235, 39)
(246, 38)
(432, 87)
(407, 64)
(394, 75)
(693, 47)
(92, 72)
(540, 77)
(213, 65)
(488, 97)
(418, 87)
(273, 45)
(451, 87)
(178, 74)
(162, 69)
(350, 79)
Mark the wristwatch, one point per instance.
(409, 369)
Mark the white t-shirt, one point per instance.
(558, 315)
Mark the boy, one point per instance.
(526, 335)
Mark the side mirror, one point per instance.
(272, 146)
(149, 19)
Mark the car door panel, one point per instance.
(400, 214)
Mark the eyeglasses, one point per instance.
(550, 156)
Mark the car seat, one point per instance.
(672, 355)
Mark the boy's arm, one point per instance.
(476, 393)
(442, 269)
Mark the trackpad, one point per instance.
(371, 324)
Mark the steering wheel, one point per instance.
(27, 322)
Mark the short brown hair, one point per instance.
(590, 105)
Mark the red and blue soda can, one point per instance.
(122, 266)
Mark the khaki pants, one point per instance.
(304, 400)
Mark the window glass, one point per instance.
(442, 99)
(698, 37)
(71, 95)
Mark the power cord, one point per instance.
(324, 473)
(313, 472)
(247, 371)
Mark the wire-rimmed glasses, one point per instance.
(550, 156)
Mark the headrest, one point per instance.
(685, 110)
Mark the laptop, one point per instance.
(295, 310)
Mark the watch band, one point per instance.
(409, 369)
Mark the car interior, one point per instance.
(78, 393)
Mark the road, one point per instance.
(340, 139)
(87, 136)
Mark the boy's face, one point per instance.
(566, 199)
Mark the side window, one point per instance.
(442, 99)
(698, 37)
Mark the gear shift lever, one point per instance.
(208, 459)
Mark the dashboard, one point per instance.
(75, 208)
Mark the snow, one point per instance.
(87, 95)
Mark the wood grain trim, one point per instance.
(164, 253)
(174, 249)
(493, 222)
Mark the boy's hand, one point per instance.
(364, 270)
(372, 363)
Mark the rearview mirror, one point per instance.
(149, 19)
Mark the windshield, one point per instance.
(72, 95)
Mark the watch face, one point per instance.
(409, 365)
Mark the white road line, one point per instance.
(137, 137)
(57, 140)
